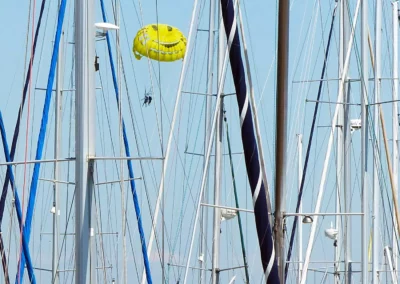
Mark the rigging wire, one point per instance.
(25, 91)
(17, 204)
(136, 136)
(16, 131)
(32, 196)
(129, 162)
(160, 132)
(71, 109)
(237, 202)
(107, 116)
(181, 162)
(162, 153)
(293, 232)
(113, 151)
(26, 141)
(374, 138)
(116, 11)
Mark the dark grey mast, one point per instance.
(281, 131)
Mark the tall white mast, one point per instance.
(345, 154)
(395, 121)
(339, 155)
(377, 84)
(300, 234)
(57, 155)
(121, 142)
(210, 80)
(218, 154)
(328, 151)
(193, 23)
(217, 189)
(364, 141)
(85, 105)
(218, 151)
(343, 151)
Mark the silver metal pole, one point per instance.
(57, 155)
(221, 44)
(340, 140)
(170, 135)
(218, 157)
(395, 123)
(390, 264)
(217, 189)
(213, 127)
(84, 141)
(300, 234)
(205, 197)
(364, 141)
(328, 151)
(377, 84)
(121, 141)
(346, 169)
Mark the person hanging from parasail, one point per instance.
(147, 98)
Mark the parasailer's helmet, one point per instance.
(159, 42)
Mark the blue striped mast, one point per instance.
(261, 212)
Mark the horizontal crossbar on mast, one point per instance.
(226, 207)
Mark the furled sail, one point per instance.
(254, 173)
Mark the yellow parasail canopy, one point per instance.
(159, 42)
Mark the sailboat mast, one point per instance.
(84, 141)
(364, 141)
(121, 142)
(217, 189)
(281, 121)
(57, 155)
(343, 148)
(300, 234)
(395, 123)
(377, 72)
(218, 155)
(204, 213)
(346, 148)
(339, 156)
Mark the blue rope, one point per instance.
(17, 202)
(129, 162)
(42, 134)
